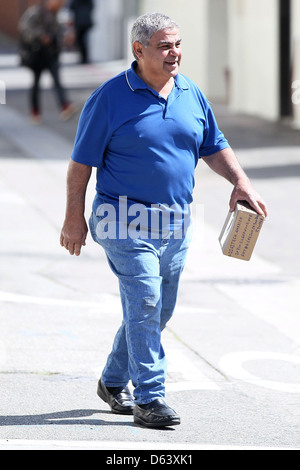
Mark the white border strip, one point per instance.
(15, 444)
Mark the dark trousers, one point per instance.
(53, 66)
(81, 38)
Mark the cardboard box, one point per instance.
(240, 232)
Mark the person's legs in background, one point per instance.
(35, 108)
(67, 110)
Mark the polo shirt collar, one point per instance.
(136, 83)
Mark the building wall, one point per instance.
(194, 31)
(254, 57)
(217, 80)
(295, 43)
(10, 13)
(105, 37)
(231, 49)
(204, 30)
(109, 39)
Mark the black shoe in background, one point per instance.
(119, 399)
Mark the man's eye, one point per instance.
(167, 46)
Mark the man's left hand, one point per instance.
(244, 191)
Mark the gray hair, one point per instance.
(147, 25)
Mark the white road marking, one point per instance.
(190, 377)
(233, 365)
(278, 306)
(183, 386)
(106, 301)
(187, 375)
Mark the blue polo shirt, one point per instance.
(145, 147)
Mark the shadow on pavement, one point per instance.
(269, 172)
(72, 417)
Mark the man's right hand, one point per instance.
(73, 235)
(75, 229)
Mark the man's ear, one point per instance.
(138, 49)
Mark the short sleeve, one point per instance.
(213, 139)
(93, 131)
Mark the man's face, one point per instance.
(54, 5)
(162, 57)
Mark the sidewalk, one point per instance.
(73, 74)
(233, 345)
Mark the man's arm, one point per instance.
(75, 229)
(226, 164)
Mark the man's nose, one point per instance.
(175, 51)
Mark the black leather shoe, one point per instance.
(156, 414)
(119, 399)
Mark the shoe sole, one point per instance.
(66, 117)
(171, 422)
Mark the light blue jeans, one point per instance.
(148, 272)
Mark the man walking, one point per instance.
(145, 131)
